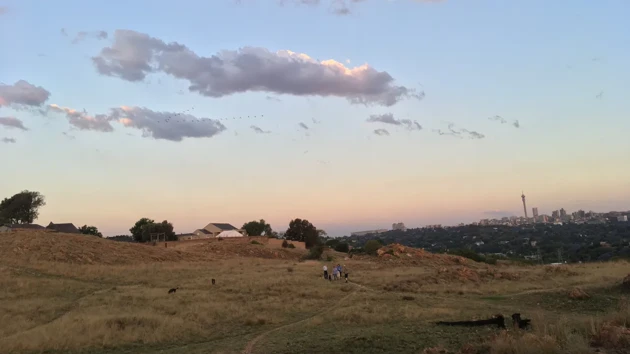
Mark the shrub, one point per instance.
(254, 242)
(290, 269)
(291, 245)
(332, 243)
(315, 252)
(285, 244)
(329, 258)
(371, 247)
(220, 239)
(342, 247)
(470, 254)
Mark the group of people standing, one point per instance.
(335, 274)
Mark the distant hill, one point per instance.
(37, 246)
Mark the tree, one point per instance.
(145, 227)
(303, 231)
(21, 208)
(90, 230)
(136, 230)
(257, 228)
(342, 247)
(371, 247)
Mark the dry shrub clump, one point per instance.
(563, 270)
(578, 294)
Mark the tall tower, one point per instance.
(524, 205)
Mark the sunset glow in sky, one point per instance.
(352, 116)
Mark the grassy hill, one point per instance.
(80, 294)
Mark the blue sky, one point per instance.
(539, 62)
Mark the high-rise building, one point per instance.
(535, 212)
(555, 214)
(563, 213)
(524, 204)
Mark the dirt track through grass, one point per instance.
(250, 345)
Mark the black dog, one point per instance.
(172, 290)
(523, 323)
(498, 320)
(212, 281)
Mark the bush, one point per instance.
(290, 269)
(220, 239)
(285, 244)
(329, 258)
(470, 254)
(291, 245)
(332, 243)
(342, 247)
(254, 242)
(315, 252)
(371, 247)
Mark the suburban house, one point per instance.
(212, 230)
(68, 228)
(24, 227)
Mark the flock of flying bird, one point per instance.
(183, 113)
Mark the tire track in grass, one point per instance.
(249, 348)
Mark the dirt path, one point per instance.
(250, 345)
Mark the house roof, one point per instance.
(25, 226)
(203, 231)
(224, 226)
(63, 227)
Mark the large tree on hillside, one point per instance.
(257, 228)
(21, 208)
(144, 227)
(304, 231)
(90, 230)
(136, 230)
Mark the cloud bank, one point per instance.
(8, 140)
(388, 118)
(12, 122)
(259, 130)
(381, 132)
(82, 35)
(152, 124)
(134, 55)
(452, 131)
(22, 94)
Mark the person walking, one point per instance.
(325, 272)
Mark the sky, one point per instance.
(353, 115)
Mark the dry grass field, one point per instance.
(79, 294)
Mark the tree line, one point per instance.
(24, 207)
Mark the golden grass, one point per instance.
(48, 303)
